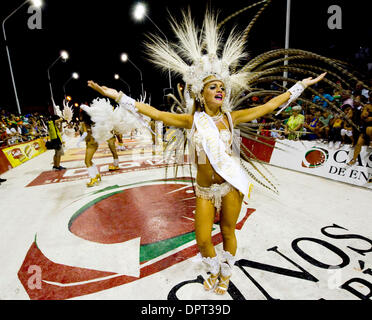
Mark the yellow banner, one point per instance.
(21, 153)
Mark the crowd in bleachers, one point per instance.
(320, 120)
(21, 128)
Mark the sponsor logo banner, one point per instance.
(319, 160)
(21, 153)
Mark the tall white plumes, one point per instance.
(233, 50)
(189, 44)
(199, 54)
(165, 56)
(211, 34)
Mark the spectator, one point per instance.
(262, 131)
(13, 134)
(365, 132)
(4, 137)
(294, 124)
(358, 102)
(347, 130)
(346, 99)
(334, 136)
(277, 130)
(323, 101)
(366, 92)
(324, 119)
(313, 126)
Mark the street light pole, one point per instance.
(287, 33)
(143, 91)
(50, 83)
(73, 76)
(64, 56)
(117, 77)
(8, 54)
(125, 58)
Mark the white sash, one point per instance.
(222, 163)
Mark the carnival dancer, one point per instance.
(101, 123)
(211, 83)
(91, 148)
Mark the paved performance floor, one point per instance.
(132, 237)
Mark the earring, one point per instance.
(202, 103)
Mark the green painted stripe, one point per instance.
(153, 250)
(35, 240)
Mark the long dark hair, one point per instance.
(85, 117)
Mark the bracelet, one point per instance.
(127, 102)
(295, 92)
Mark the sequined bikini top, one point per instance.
(226, 135)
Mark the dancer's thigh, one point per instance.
(204, 218)
(231, 206)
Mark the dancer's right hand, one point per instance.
(105, 91)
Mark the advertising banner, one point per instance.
(320, 160)
(21, 153)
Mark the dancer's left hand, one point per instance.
(105, 91)
(310, 81)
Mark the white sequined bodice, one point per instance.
(197, 141)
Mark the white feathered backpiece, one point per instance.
(102, 114)
(107, 120)
(67, 112)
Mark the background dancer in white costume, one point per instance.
(102, 123)
(91, 148)
(211, 83)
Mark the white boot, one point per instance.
(213, 265)
(94, 176)
(228, 261)
(98, 175)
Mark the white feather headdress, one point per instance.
(199, 54)
(67, 112)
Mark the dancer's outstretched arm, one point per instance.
(168, 118)
(246, 115)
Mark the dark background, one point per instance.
(95, 33)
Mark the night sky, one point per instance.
(95, 33)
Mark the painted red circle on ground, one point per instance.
(154, 213)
